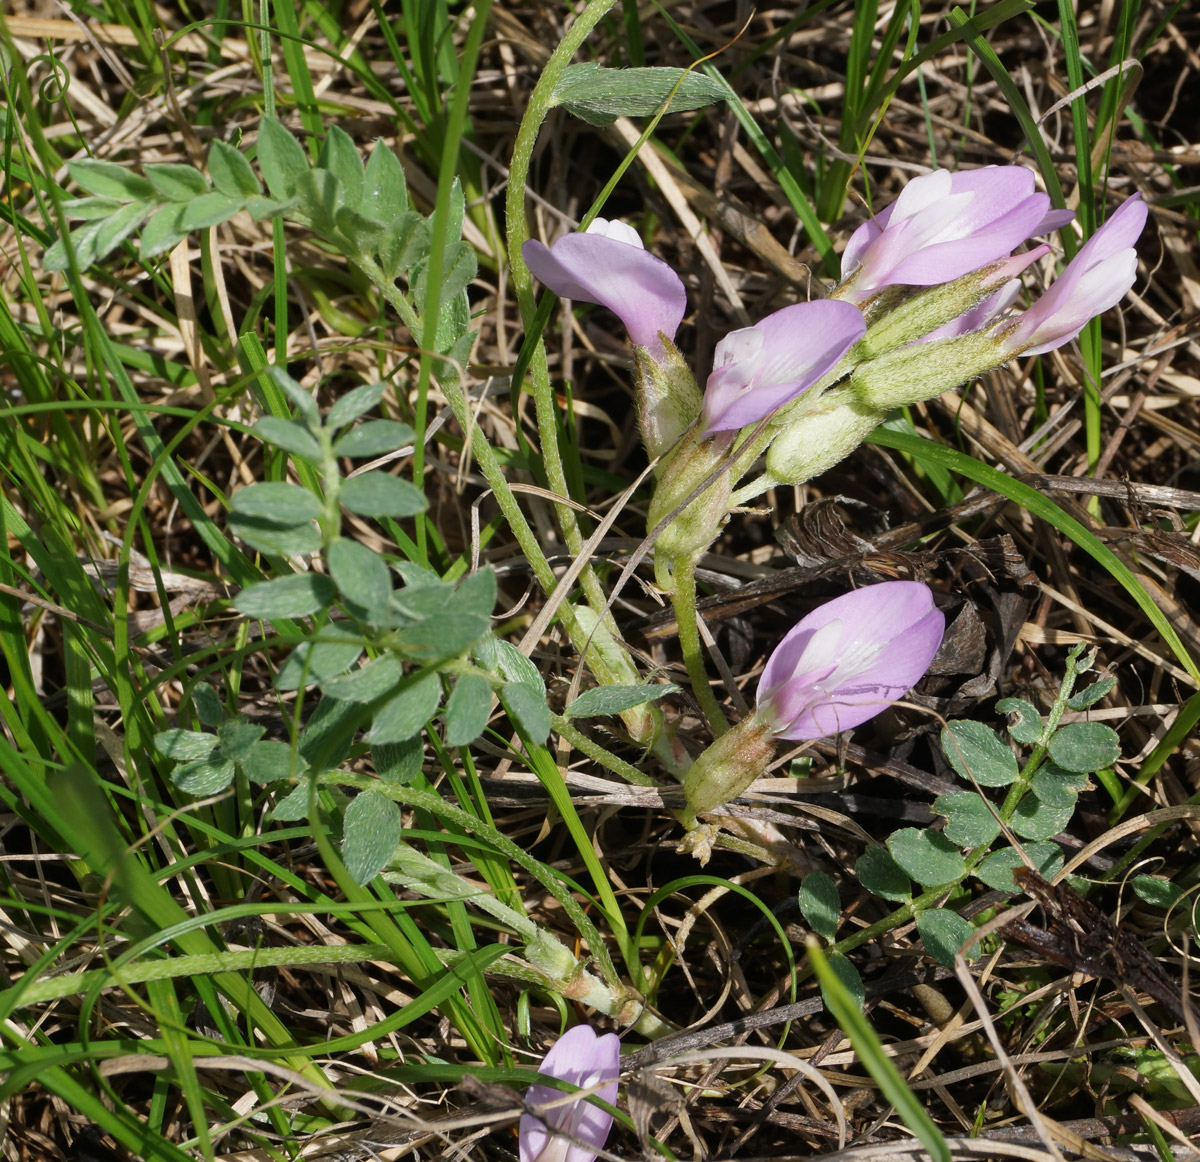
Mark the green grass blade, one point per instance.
(870, 1053)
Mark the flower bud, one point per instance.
(925, 370)
(817, 440)
(928, 310)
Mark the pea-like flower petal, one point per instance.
(588, 1061)
(945, 225)
(608, 265)
(849, 659)
(1094, 280)
(759, 368)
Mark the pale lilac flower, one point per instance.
(608, 265)
(759, 368)
(590, 1062)
(945, 225)
(849, 659)
(1094, 280)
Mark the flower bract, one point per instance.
(592, 1063)
(849, 659)
(757, 369)
(607, 265)
(945, 225)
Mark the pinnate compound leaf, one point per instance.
(339, 155)
(599, 96)
(281, 158)
(1025, 724)
(468, 709)
(926, 856)
(300, 396)
(843, 968)
(367, 683)
(1035, 819)
(820, 904)
(294, 596)
(177, 183)
(231, 172)
(1091, 694)
(185, 745)
(970, 822)
(476, 594)
(204, 776)
(362, 578)
(371, 834)
(355, 403)
(404, 716)
(977, 752)
(374, 438)
(882, 876)
(614, 699)
(237, 737)
(1085, 746)
(282, 503)
(1158, 893)
(270, 760)
(398, 763)
(378, 494)
(209, 210)
(207, 704)
(335, 649)
(943, 933)
(107, 179)
(1057, 787)
(290, 435)
(164, 231)
(527, 707)
(292, 806)
(996, 871)
(385, 193)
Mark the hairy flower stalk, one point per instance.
(842, 664)
(566, 1130)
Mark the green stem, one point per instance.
(683, 599)
(597, 753)
(541, 101)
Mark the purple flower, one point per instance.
(945, 225)
(761, 367)
(1094, 280)
(608, 265)
(848, 659)
(590, 1062)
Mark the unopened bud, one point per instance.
(818, 440)
(927, 310)
(925, 370)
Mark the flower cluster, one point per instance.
(927, 301)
